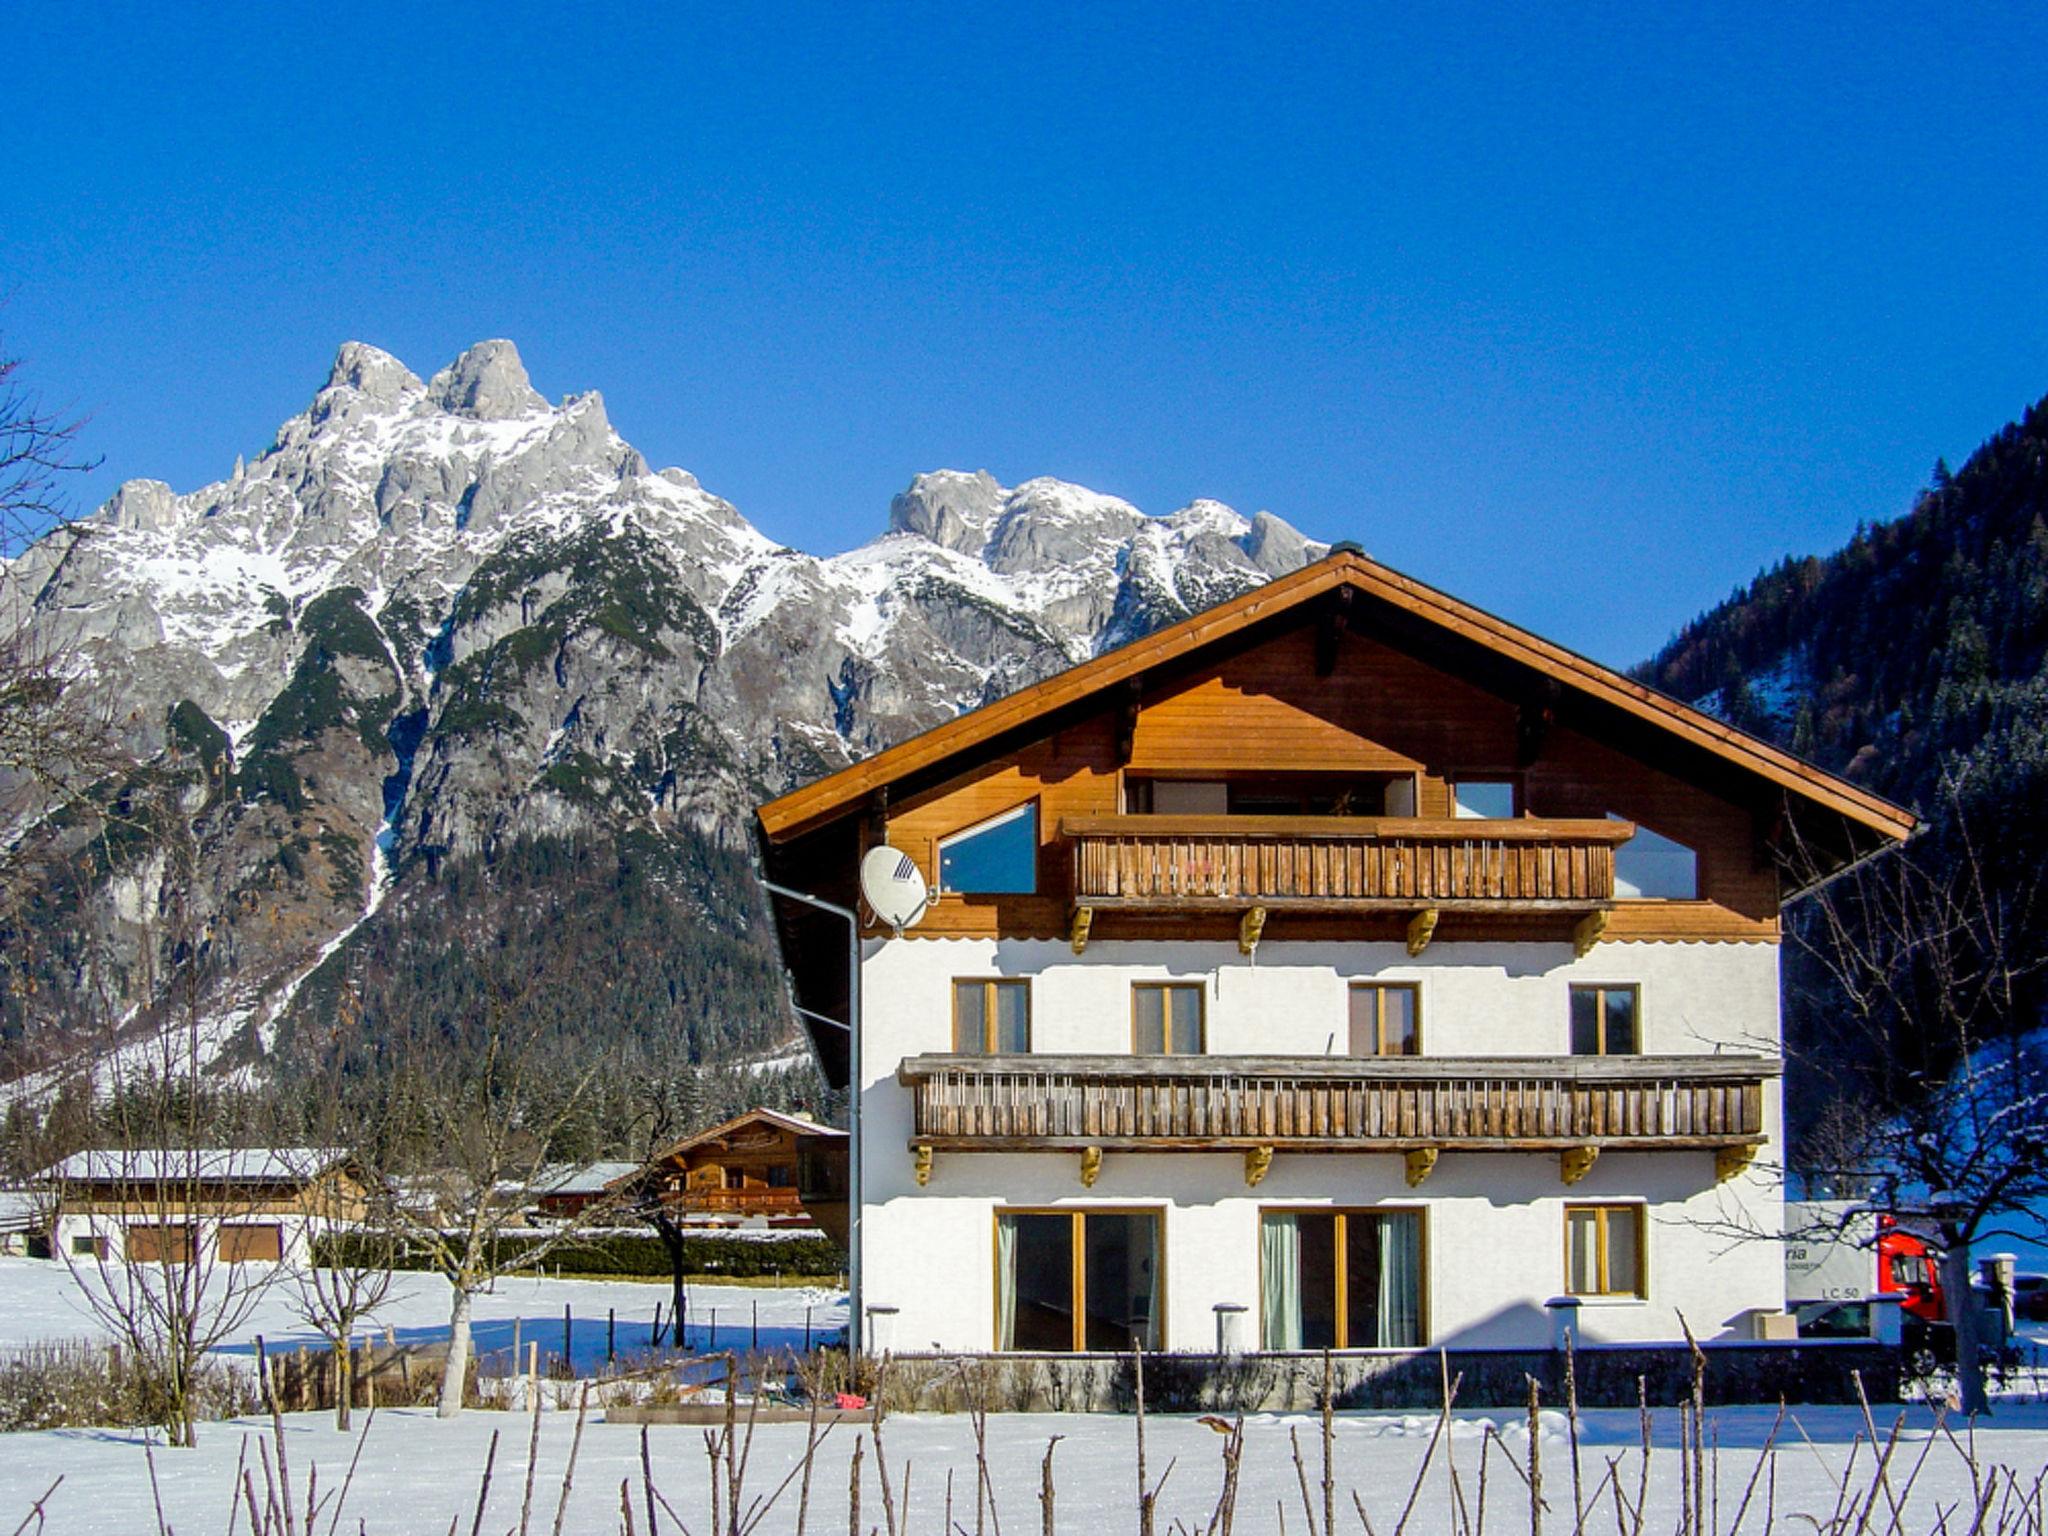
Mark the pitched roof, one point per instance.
(825, 799)
(223, 1165)
(773, 1117)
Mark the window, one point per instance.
(997, 857)
(1493, 799)
(1603, 1250)
(1078, 1280)
(991, 1018)
(1651, 867)
(252, 1244)
(1604, 1021)
(88, 1245)
(1340, 1279)
(781, 1176)
(1384, 1019)
(149, 1243)
(1166, 1018)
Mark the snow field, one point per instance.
(416, 1472)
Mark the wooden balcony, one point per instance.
(761, 1200)
(1342, 863)
(1336, 1104)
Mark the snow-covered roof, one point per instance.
(235, 1165)
(581, 1178)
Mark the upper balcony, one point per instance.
(1576, 1106)
(1337, 864)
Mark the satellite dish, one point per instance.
(894, 889)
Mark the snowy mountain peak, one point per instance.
(371, 371)
(950, 507)
(434, 619)
(488, 383)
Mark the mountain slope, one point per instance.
(442, 625)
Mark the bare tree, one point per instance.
(1927, 1012)
(353, 1264)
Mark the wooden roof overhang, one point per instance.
(1812, 822)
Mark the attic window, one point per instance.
(997, 857)
(1651, 867)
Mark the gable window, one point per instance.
(1604, 1021)
(1385, 1019)
(1166, 1018)
(1078, 1280)
(1340, 1279)
(993, 858)
(1603, 1250)
(1491, 799)
(991, 1018)
(1651, 867)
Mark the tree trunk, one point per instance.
(679, 1293)
(1963, 1310)
(456, 1371)
(344, 1382)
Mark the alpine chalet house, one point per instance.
(1339, 968)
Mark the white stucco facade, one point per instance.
(1493, 1222)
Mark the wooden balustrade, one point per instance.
(1332, 1104)
(760, 1200)
(1343, 862)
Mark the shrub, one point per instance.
(600, 1254)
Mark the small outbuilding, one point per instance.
(228, 1205)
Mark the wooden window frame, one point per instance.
(1413, 988)
(1201, 991)
(1340, 1260)
(1604, 1211)
(1601, 989)
(1077, 1280)
(975, 829)
(988, 1012)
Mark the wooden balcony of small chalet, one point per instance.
(1252, 865)
(1573, 1106)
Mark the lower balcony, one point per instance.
(1576, 1106)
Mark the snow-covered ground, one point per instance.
(42, 1300)
(417, 1473)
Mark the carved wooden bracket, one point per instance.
(1077, 935)
(1421, 929)
(1336, 618)
(1731, 1161)
(1588, 931)
(1574, 1163)
(921, 1162)
(1421, 1164)
(1091, 1166)
(1257, 1160)
(1533, 718)
(1127, 718)
(1249, 927)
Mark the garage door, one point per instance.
(152, 1244)
(248, 1244)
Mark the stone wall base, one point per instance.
(1606, 1377)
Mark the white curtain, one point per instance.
(1400, 1319)
(1280, 1274)
(1006, 1283)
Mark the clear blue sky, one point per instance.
(1584, 317)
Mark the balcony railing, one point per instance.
(1336, 1104)
(1343, 862)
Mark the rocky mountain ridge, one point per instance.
(435, 619)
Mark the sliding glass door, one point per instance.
(1340, 1279)
(1068, 1281)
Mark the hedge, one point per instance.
(631, 1253)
